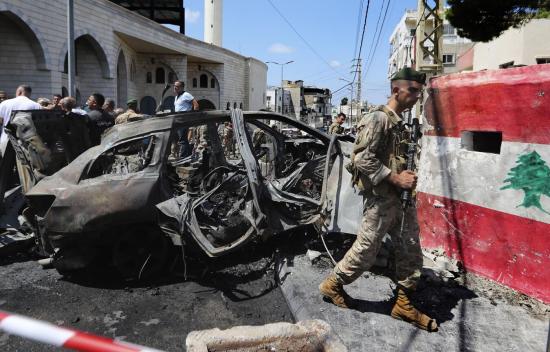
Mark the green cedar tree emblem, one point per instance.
(532, 176)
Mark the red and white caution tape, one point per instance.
(61, 337)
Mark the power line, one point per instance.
(364, 29)
(358, 26)
(362, 39)
(299, 35)
(378, 39)
(376, 28)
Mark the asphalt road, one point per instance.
(240, 290)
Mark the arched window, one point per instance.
(172, 77)
(212, 83)
(194, 83)
(149, 77)
(160, 75)
(228, 106)
(241, 106)
(204, 81)
(234, 105)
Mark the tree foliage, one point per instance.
(484, 20)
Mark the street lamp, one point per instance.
(282, 89)
(350, 83)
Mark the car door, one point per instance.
(222, 211)
(304, 172)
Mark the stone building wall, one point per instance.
(108, 35)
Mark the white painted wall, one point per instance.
(257, 78)
(520, 45)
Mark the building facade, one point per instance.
(273, 100)
(527, 45)
(318, 107)
(120, 54)
(402, 44)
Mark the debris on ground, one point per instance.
(309, 335)
(13, 241)
(313, 255)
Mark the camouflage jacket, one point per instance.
(379, 149)
(335, 128)
(127, 116)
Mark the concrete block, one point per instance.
(304, 336)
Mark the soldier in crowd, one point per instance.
(132, 114)
(379, 173)
(336, 126)
(227, 139)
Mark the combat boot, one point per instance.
(404, 310)
(333, 291)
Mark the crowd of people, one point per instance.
(100, 113)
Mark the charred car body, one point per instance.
(129, 198)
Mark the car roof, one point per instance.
(166, 121)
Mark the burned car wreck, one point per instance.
(130, 198)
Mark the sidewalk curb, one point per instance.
(300, 308)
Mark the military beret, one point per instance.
(408, 74)
(131, 102)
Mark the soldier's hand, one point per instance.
(406, 179)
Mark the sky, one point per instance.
(322, 39)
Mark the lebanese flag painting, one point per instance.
(484, 174)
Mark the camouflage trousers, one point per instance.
(383, 215)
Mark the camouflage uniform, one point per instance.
(378, 149)
(228, 142)
(335, 128)
(258, 138)
(127, 116)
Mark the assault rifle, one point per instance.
(406, 196)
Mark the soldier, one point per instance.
(336, 126)
(378, 167)
(132, 114)
(227, 139)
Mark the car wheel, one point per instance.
(140, 252)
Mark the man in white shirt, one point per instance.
(183, 102)
(21, 101)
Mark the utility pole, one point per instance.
(71, 49)
(358, 88)
(282, 86)
(429, 40)
(356, 72)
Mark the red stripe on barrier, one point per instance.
(512, 101)
(90, 343)
(3, 315)
(509, 249)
